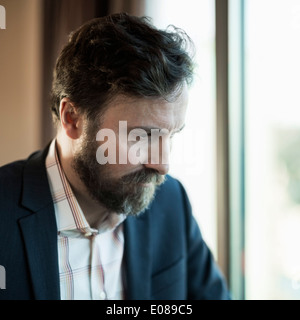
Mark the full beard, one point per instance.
(131, 194)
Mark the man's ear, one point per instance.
(70, 118)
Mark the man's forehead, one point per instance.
(146, 112)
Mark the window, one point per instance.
(272, 149)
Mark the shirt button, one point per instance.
(102, 295)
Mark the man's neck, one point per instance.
(94, 213)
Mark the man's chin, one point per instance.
(135, 202)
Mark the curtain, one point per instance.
(60, 17)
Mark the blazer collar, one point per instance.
(36, 192)
(39, 229)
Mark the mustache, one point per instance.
(144, 176)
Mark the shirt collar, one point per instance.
(69, 216)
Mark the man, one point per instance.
(95, 215)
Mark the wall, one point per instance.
(20, 79)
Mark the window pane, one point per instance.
(193, 154)
(272, 149)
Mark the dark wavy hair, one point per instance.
(120, 54)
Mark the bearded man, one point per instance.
(76, 225)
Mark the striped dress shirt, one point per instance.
(89, 259)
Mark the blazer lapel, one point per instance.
(137, 257)
(40, 241)
(39, 229)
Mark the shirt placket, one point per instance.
(97, 272)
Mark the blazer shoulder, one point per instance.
(171, 186)
(13, 171)
(11, 180)
(11, 175)
(171, 207)
(172, 194)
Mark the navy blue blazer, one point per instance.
(165, 256)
